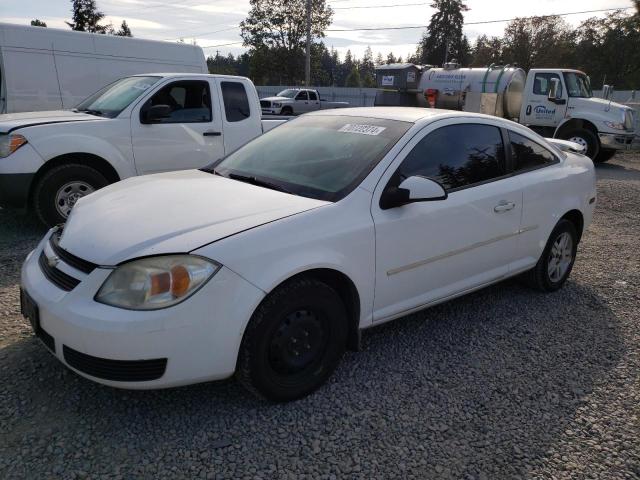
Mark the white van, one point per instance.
(52, 69)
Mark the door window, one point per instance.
(457, 156)
(302, 96)
(236, 101)
(542, 83)
(527, 154)
(313, 96)
(189, 101)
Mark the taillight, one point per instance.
(431, 94)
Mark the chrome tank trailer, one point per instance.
(495, 90)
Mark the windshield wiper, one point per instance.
(256, 181)
(89, 111)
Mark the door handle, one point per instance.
(504, 207)
(211, 134)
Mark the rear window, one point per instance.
(236, 101)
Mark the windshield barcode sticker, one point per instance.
(362, 129)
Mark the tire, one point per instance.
(605, 156)
(303, 313)
(586, 138)
(62, 186)
(540, 277)
(286, 111)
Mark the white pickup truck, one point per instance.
(137, 125)
(295, 101)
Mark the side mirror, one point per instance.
(413, 189)
(155, 113)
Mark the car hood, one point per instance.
(13, 121)
(277, 99)
(173, 212)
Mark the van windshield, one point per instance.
(112, 99)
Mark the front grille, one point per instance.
(115, 370)
(57, 277)
(265, 103)
(47, 339)
(68, 258)
(628, 120)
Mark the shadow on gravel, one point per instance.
(612, 171)
(483, 385)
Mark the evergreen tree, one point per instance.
(443, 40)
(38, 23)
(391, 58)
(87, 18)
(379, 59)
(353, 80)
(368, 69)
(124, 31)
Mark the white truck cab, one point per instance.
(296, 101)
(136, 126)
(554, 102)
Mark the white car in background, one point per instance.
(270, 262)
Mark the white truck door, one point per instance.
(537, 109)
(302, 103)
(188, 136)
(240, 112)
(314, 101)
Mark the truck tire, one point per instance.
(59, 189)
(587, 139)
(605, 155)
(286, 111)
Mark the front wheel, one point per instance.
(294, 341)
(587, 139)
(61, 187)
(557, 259)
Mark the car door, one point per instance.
(539, 171)
(189, 137)
(314, 101)
(432, 250)
(539, 109)
(302, 102)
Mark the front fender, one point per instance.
(54, 145)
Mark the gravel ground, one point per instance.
(503, 383)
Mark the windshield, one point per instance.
(321, 157)
(289, 93)
(578, 85)
(112, 99)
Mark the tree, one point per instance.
(391, 58)
(538, 42)
(368, 69)
(486, 51)
(277, 29)
(379, 59)
(87, 18)
(124, 31)
(443, 40)
(353, 80)
(38, 23)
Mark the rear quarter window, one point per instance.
(529, 155)
(236, 101)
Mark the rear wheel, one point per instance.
(605, 155)
(587, 139)
(294, 341)
(556, 262)
(61, 187)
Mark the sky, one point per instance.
(212, 23)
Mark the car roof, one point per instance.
(402, 114)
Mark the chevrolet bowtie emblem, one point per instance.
(53, 261)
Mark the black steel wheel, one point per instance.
(294, 341)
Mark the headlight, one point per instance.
(156, 282)
(276, 105)
(615, 125)
(10, 143)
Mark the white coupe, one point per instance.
(270, 262)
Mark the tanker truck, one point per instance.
(556, 103)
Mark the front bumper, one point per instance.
(199, 338)
(17, 172)
(272, 111)
(615, 141)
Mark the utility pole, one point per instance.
(307, 66)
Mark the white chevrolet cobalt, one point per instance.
(270, 262)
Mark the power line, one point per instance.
(477, 23)
(384, 6)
